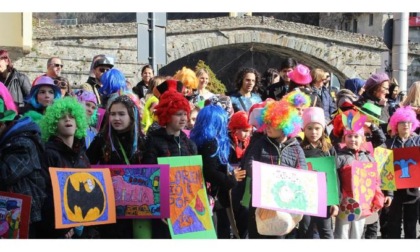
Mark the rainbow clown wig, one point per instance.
(212, 124)
(404, 114)
(281, 115)
(61, 107)
(170, 103)
(297, 98)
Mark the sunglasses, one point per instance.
(61, 84)
(103, 70)
(58, 65)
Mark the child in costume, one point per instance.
(211, 137)
(239, 134)
(278, 147)
(43, 93)
(63, 128)
(316, 144)
(88, 99)
(169, 140)
(354, 137)
(120, 141)
(406, 201)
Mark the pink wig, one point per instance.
(7, 97)
(404, 114)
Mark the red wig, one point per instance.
(170, 103)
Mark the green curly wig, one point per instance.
(57, 110)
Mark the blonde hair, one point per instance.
(413, 95)
(201, 71)
(317, 75)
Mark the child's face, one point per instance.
(273, 132)
(90, 108)
(45, 96)
(178, 121)
(243, 134)
(404, 128)
(313, 132)
(66, 126)
(193, 118)
(353, 141)
(119, 117)
(300, 110)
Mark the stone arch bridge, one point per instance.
(223, 43)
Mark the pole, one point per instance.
(400, 49)
(152, 60)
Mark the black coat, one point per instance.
(19, 86)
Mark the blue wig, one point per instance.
(112, 81)
(32, 99)
(211, 124)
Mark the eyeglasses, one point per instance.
(57, 65)
(61, 84)
(103, 70)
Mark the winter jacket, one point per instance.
(328, 104)
(160, 144)
(19, 86)
(103, 151)
(140, 89)
(277, 90)
(409, 195)
(216, 173)
(344, 160)
(22, 169)
(58, 154)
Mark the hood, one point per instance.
(24, 124)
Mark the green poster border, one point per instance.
(327, 165)
(175, 162)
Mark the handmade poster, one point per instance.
(190, 214)
(288, 189)
(327, 165)
(364, 180)
(407, 167)
(385, 161)
(141, 191)
(15, 210)
(82, 197)
(349, 209)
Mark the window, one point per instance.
(370, 19)
(354, 25)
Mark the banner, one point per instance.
(327, 165)
(190, 214)
(82, 197)
(141, 191)
(15, 210)
(288, 189)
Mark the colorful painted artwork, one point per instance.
(288, 189)
(365, 180)
(349, 209)
(385, 161)
(15, 212)
(327, 165)
(82, 197)
(141, 191)
(407, 167)
(190, 214)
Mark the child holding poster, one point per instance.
(119, 142)
(406, 201)
(173, 112)
(278, 146)
(353, 137)
(63, 127)
(316, 144)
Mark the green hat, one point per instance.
(8, 115)
(372, 111)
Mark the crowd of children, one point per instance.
(105, 122)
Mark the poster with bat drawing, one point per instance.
(82, 197)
